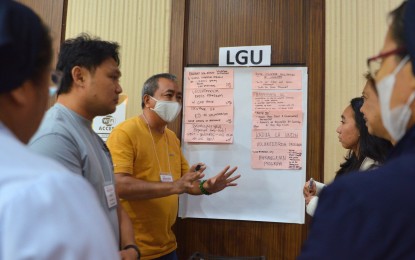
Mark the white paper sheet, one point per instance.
(261, 195)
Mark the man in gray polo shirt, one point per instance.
(90, 87)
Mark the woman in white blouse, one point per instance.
(365, 151)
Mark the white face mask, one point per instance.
(167, 110)
(395, 120)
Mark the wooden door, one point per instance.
(295, 30)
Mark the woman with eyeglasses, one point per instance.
(365, 151)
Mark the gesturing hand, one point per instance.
(186, 182)
(221, 180)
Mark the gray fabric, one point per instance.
(68, 138)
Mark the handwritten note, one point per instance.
(277, 79)
(276, 100)
(208, 106)
(209, 97)
(284, 159)
(276, 149)
(216, 78)
(276, 139)
(208, 133)
(211, 115)
(277, 119)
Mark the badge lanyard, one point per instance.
(163, 177)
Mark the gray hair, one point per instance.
(151, 85)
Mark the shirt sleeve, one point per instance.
(58, 148)
(122, 151)
(312, 205)
(319, 187)
(368, 164)
(48, 221)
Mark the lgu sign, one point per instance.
(245, 56)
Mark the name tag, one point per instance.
(166, 177)
(110, 194)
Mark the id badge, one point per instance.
(166, 177)
(110, 195)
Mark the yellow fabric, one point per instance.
(133, 152)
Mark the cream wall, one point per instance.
(141, 27)
(355, 30)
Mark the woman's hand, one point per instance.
(309, 193)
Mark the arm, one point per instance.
(311, 205)
(127, 235)
(319, 187)
(124, 149)
(131, 188)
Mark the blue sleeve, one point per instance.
(335, 227)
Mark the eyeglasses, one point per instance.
(374, 63)
(56, 77)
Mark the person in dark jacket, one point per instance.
(371, 216)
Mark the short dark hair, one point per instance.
(397, 29)
(151, 85)
(84, 51)
(370, 146)
(25, 46)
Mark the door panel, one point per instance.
(295, 31)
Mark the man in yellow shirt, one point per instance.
(151, 170)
